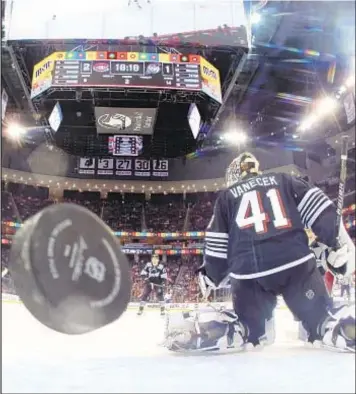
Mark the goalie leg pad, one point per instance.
(338, 331)
(201, 331)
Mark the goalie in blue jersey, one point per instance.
(257, 239)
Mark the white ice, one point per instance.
(126, 357)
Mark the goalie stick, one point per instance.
(342, 182)
(329, 277)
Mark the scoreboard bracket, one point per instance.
(122, 94)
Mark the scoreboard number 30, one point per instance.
(142, 165)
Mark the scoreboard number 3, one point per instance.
(106, 164)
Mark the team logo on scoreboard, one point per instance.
(153, 68)
(101, 67)
(114, 121)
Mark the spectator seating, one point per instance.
(130, 212)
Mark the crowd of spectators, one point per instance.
(201, 211)
(165, 213)
(131, 212)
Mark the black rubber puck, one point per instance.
(69, 271)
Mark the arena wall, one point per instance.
(14, 299)
(42, 161)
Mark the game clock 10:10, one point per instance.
(141, 68)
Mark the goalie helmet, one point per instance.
(246, 163)
(155, 260)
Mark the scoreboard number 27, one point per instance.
(123, 164)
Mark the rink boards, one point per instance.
(11, 298)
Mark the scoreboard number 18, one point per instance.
(160, 165)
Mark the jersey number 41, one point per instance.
(252, 213)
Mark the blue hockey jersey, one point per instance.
(257, 227)
(155, 274)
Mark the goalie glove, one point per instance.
(342, 260)
(338, 259)
(206, 284)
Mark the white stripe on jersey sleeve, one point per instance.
(216, 244)
(312, 205)
(318, 212)
(215, 254)
(217, 235)
(219, 240)
(215, 249)
(306, 198)
(312, 195)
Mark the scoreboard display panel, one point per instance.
(124, 167)
(127, 69)
(115, 73)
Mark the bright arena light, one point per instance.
(235, 137)
(308, 123)
(15, 131)
(326, 105)
(350, 82)
(255, 18)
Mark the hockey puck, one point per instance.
(69, 271)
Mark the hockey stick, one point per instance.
(342, 183)
(340, 196)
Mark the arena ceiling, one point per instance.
(172, 135)
(300, 50)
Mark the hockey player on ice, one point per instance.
(345, 287)
(155, 276)
(256, 237)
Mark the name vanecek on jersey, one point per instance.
(264, 181)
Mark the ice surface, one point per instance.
(125, 357)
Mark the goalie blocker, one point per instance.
(69, 271)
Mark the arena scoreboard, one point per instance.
(125, 167)
(126, 69)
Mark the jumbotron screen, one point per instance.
(126, 69)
